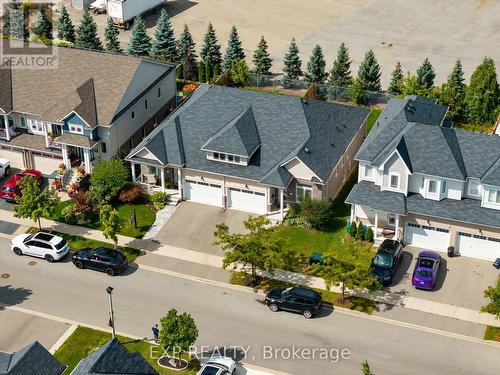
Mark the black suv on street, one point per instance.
(302, 300)
(101, 259)
(384, 264)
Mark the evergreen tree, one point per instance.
(340, 75)
(210, 51)
(456, 77)
(111, 37)
(65, 28)
(201, 72)
(452, 93)
(164, 46)
(234, 51)
(292, 63)
(14, 22)
(261, 59)
(43, 25)
(86, 33)
(316, 67)
(369, 73)
(397, 81)
(482, 95)
(140, 42)
(187, 54)
(426, 74)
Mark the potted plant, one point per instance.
(62, 168)
(80, 172)
(57, 184)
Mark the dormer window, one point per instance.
(228, 158)
(494, 196)
(394, 181)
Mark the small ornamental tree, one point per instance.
(177, 333)
(316, 66)
(239, 72)
(360, 232)
(353, 229)
(111, 222)
(493, 307)
(187, 54)
(140, 42)
(292, 64)
(210, 50)
(261, 60)
(86, 33)
(43, 26)
(107, 179)
(316, 212)
(397, 81)
(365, 368)
(65, 28)
(164, 46)
(234, 51)
(369, 73)
(33, 204)
(111, 37)
(426, 74)
(340, 75)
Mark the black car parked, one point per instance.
(384, 264)
(102, 259)
(302, 300)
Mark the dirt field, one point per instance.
(405, 30)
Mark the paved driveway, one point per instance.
(461, 280)
(192, 226)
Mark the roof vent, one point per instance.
(332, 144)
(307, 150)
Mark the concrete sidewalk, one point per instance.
(215, 262)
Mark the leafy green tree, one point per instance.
(43, 26)
(164, 46)
(426, 74)
(482, 95)
(111, 37)
(397, 81)
(65, 28)
(140, 42)
(234, 51)
(316, 72)
(452, 94)
(261, 59)
(292, 64)
(177, 332)
(340, 75)
(35, 204)
(365, 368)
(111, 222)
(412, 87)
(187, 54)
(369, 73)
(357, 92)
(107, 179)
(239, 72)
(86, 33)
(15, 24)
(256, 249)
(493, 307)
(316, 212)
(210, 50)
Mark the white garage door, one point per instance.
(427, 237)
(247, 200)
(15, 158)
(472, 245)
(202, 192)
(46, 164)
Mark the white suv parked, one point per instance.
(41, 245)
(218, 365)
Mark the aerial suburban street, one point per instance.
(233, 318)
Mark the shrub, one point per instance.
(107, 179)
(360, 233)
(131, 193)
(369, 234)
(353, 229)
(159, 199)
(82, 209)
(316, 212)
(188, 89)
(68, 214)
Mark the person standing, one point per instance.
(156, 332)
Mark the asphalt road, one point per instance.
(232, 318)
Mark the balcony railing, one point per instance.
(3, 133)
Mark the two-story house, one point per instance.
(428, 184)
(93, 106)
(252, 151)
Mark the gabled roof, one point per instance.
(114, 358)
(238, 137)
(32, 359)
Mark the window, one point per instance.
(222, 156)
(36, 125)
(23, 122)
(133, 115)
(159, 92)
(302, 192)
(146, 105)
(432, 186)
(443, 187)
(368, 171)
(78, 129)
(103, 147)
(230, 158)
(237, 159)
(493, 197)
(216, 155)
(473, 188)
(394, 181)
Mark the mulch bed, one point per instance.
(173, 363)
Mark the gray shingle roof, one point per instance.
(114, 358)
(285, 126)
(368, 194)
(33, 359)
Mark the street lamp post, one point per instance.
(111, 315)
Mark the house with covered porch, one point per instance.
(251, 151)
(92, 106)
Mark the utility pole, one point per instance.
(109, 290)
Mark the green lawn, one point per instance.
(492, 333)
(372, 118)
(145, 214)
(85, 340)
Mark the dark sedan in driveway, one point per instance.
(101, 259)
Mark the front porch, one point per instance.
(156, 179)
(385, 225)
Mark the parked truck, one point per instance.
(123, 12)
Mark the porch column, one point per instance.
(162, 177)
(133, 171)
(281, 203)
(65, 156)
(376, 224)
(179, 182)
(46, 134)
(7, 130)
(396, 226)
(86, 160)
(352, 213)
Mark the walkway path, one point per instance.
(186, 256)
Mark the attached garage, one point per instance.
(247, 200)
(476, 246)
(46, 163)
(427, 237)
(15, 157)
(203, 192)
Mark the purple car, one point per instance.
(426, 270)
